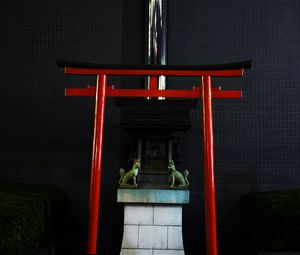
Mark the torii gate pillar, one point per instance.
(209, 182)
(95, 181)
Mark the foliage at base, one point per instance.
(28, 217)
(272, 220)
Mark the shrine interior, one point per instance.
(47, 138)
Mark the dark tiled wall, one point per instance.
(46, 138)
(256, 138)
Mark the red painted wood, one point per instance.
(153, 82)
(83, 92)
(95, 182)
(227, 93)
(153, 72)
(153, 93)
(134, 92)
(209, 183)
(91, 91)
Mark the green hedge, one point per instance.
(272, 220)
(29, 215)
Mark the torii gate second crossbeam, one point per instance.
(101, 90)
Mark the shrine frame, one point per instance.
(101, 90)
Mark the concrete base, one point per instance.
(154, 196)
(152, 228)
(151, 252)
(278, 253)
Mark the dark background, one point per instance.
(46, 138)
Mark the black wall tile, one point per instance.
(47, 138)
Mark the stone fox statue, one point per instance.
(180, 179)
(126, 177)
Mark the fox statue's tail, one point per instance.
(122, 173)
(185, 175)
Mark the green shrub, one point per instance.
(28, 215)
(273, 220)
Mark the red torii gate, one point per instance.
(102, 90)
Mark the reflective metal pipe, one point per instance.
(157, 37)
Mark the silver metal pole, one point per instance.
(157, 37)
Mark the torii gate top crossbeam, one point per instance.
(220, 70)
(232, 69)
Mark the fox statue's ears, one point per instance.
(171, 161)
(136, 161)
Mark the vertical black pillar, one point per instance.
(133, 39)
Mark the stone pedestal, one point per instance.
(152, 221)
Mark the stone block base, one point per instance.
(152, 229)
(151, 252)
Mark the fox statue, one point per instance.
(177, 179)
(126, 177)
